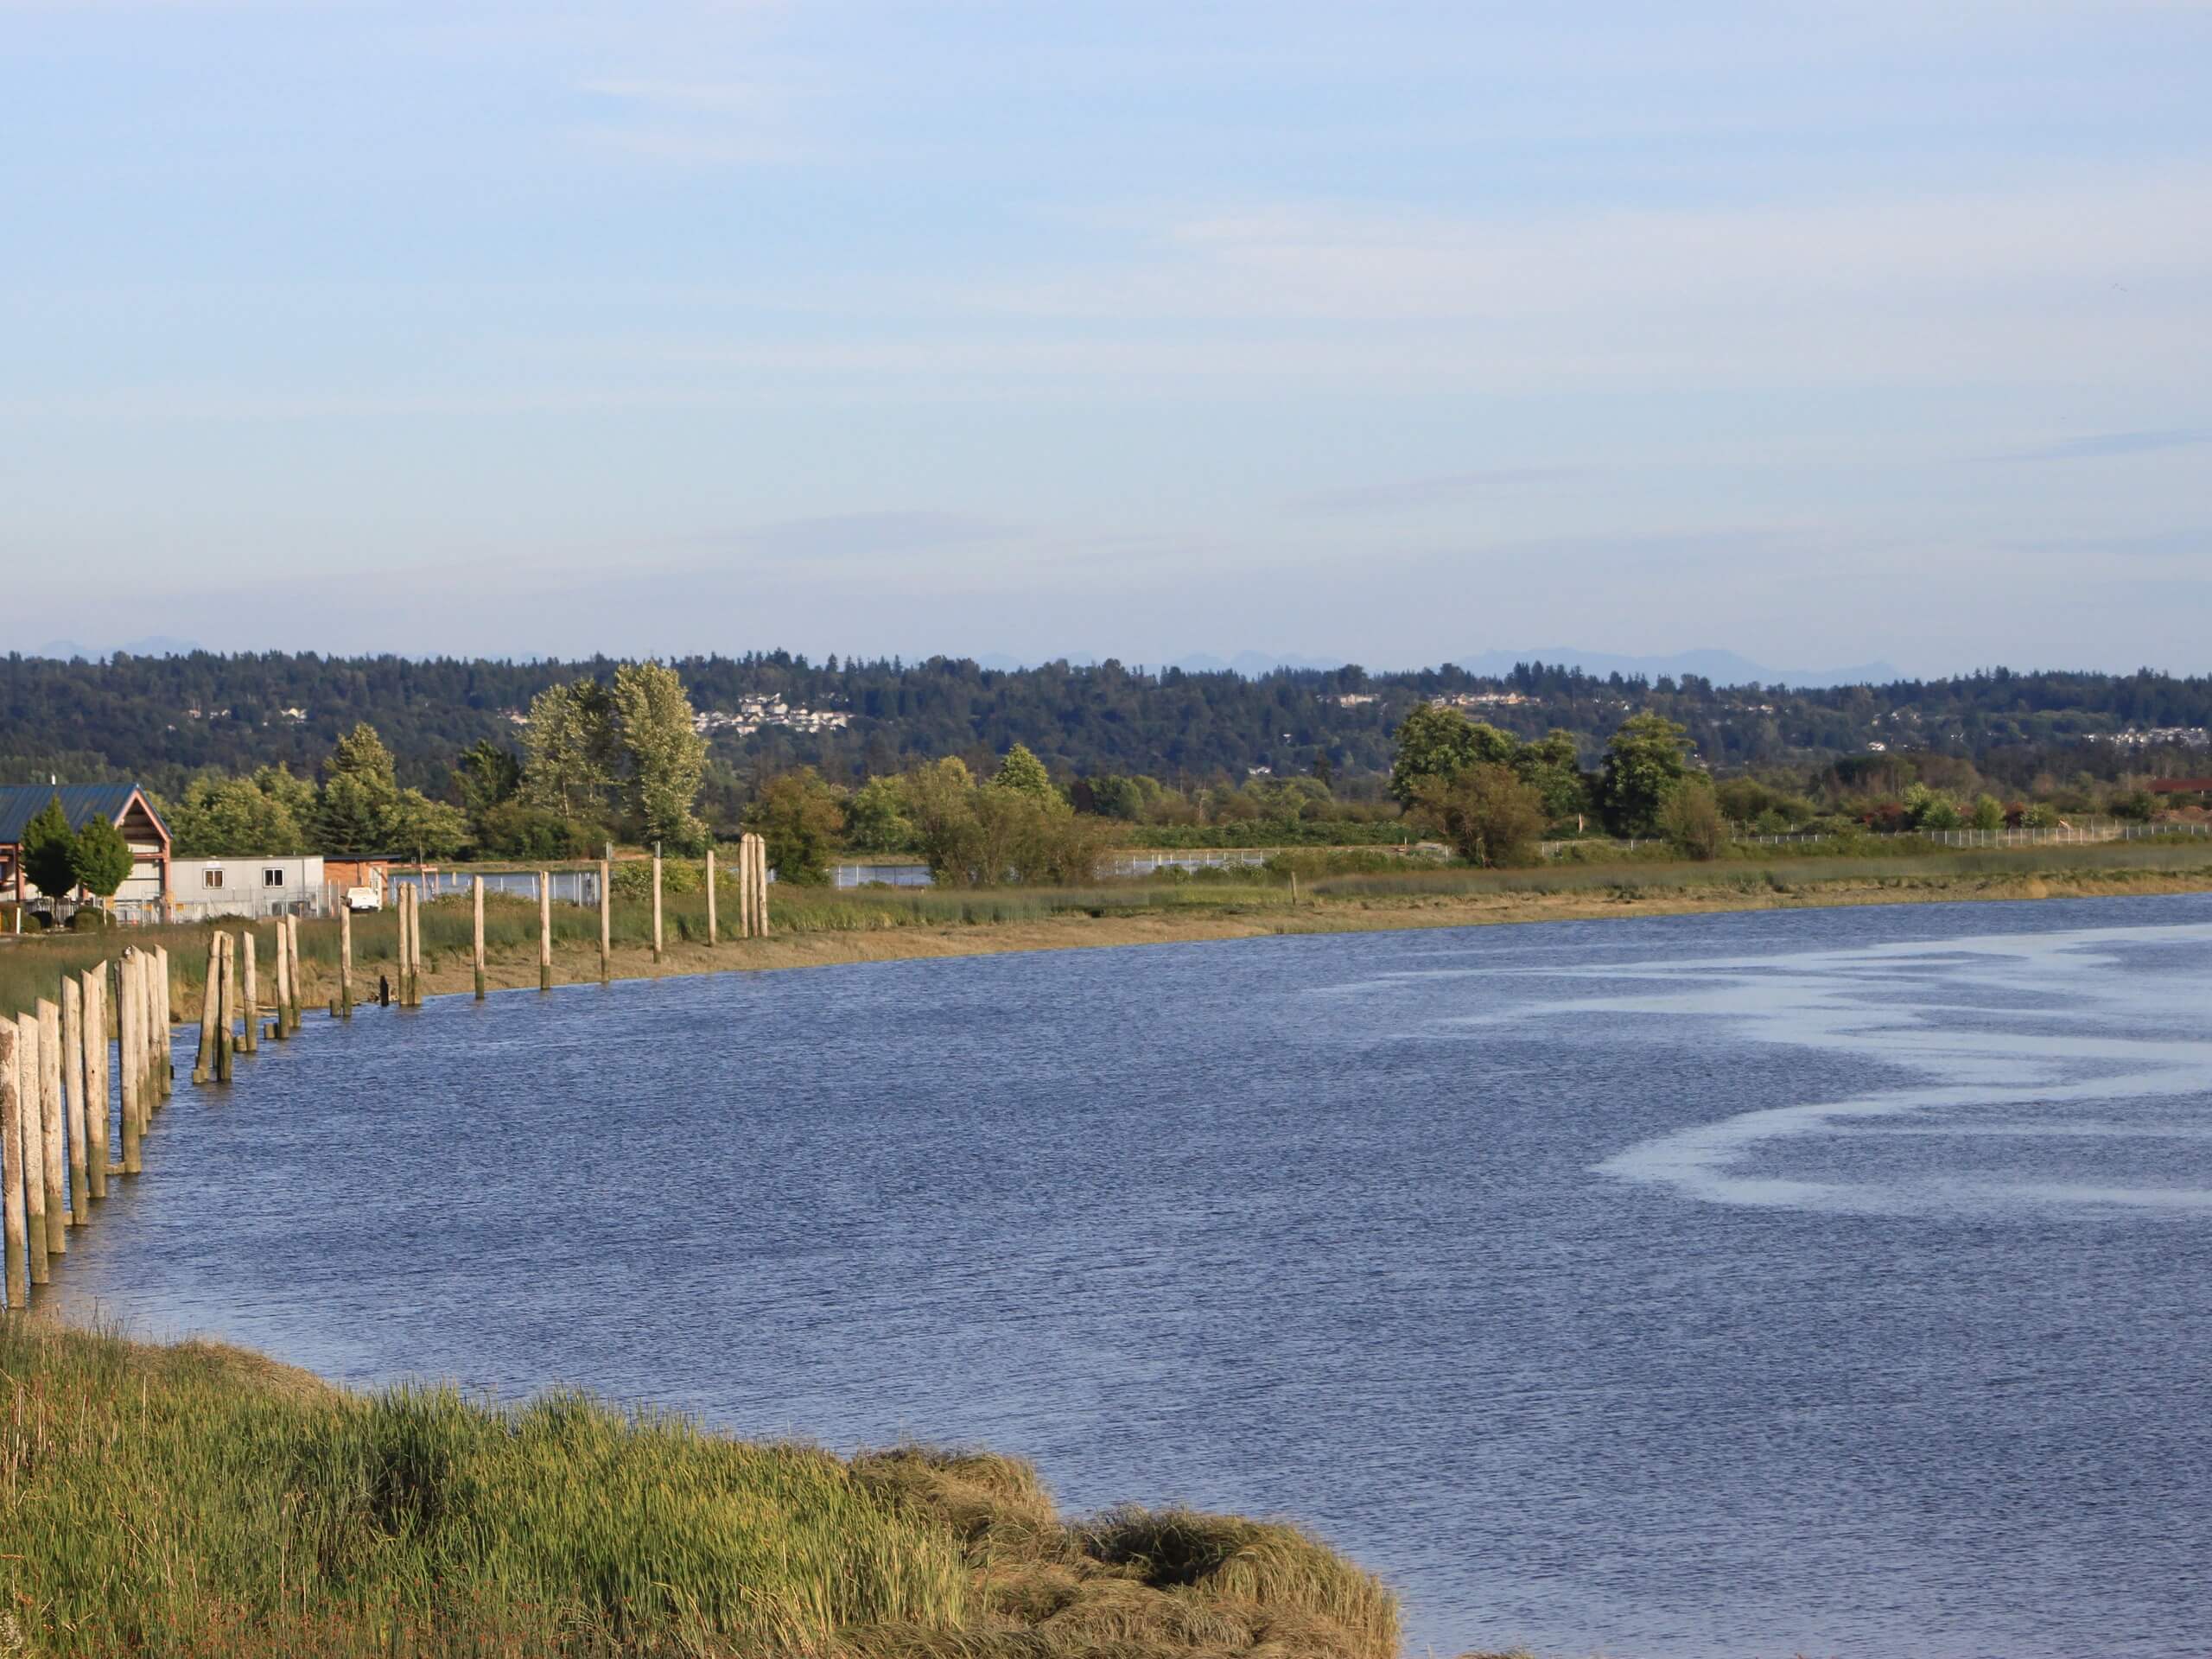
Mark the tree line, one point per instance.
(161, 721)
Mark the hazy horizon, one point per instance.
(1403, 332)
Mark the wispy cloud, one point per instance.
(1447, 489)
(2100, 445)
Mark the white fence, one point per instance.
(2088, 832)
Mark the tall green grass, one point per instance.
(198, 1501)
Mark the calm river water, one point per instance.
(1832, 1281)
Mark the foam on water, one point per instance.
(1882, 1001)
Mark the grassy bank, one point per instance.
(819, 925)
(197, 1500)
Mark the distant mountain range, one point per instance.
(62, 651)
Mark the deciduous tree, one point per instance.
(668, 758)
(103, 862)
(1644, 762)
(801, 818)
(1488, 814)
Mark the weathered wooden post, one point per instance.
(345, 960)
(15, 1219)
(130, 1051)
(605, 922)
(73, 1078)
(210, 996)
(31, 1173)
(250, 994)
(760, 882)
(545, 930)
(280, 1028)
(226, 1008)
(745, 886)
(96, 1079)
(414, 948)
(289, 927)
(51, 1110)
(656, 901)
(399, 959)
(476, 895)
(158, 1038)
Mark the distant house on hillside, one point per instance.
(124, 805)
(2187, 789)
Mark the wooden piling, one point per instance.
(225, 1006)
(760, 888)
(345, 960)
(211, 994)
(129, 1053)
(96, 1079)
(289, 927)
(73, 1078)
(414, 948)
(399, 959)
(15, 1218)
(249, 993)
(710, 895)
(545, 930)
(605, 922)
(158, 1037)
(656, 901)
(476, 897)
(53, 1116)
(31, 1172)
(280, 1028)
(744, 889)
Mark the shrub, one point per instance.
(1690, 819)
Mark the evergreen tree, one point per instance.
(359, 795)
(50, 850)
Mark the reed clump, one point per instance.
(197, 1500)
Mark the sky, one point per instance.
(1388, 331)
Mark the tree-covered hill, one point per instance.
(160, 719)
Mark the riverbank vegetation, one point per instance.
(544, 761)
(198, 1500)
(1295, 892)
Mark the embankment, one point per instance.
(198, 1500)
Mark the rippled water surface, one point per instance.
(1833, 1282)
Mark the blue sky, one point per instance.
(1393, 331)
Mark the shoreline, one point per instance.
(447, 974)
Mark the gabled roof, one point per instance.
(81, 803)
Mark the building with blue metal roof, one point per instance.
(123, 805)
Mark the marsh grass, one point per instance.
(31, 967)
(197, 1500)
